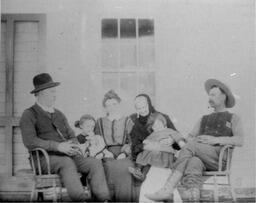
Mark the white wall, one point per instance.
(195, 40)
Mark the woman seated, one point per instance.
(115, 129)
(157, 147)
(144, 152)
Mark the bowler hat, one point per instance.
(230, 101)
(43, 81)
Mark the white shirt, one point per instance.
(45, 108)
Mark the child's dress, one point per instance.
(165, 138)
(93, 146)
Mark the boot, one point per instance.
(166, 193)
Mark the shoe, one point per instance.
(163, 195)
(136, 172)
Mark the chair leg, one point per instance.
(34, 193)
(216, 192)
(60, 191)
(55, 197)
(231, 189)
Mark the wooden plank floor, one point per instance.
(243, 195)
(18, 189)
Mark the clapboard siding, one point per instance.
(2, 150)
(2, 96)
(2, 69)
(25, 64)
(20, 153)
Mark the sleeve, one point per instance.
(171, 125)
(137, 145)
(101, 142)
(70, 132)
(29, 135)
(129, 126)
(97, 130)
(237, 127)
(196, 129)
(169, 122)
(177, 137)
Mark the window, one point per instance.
(128, 56)
(21, 46)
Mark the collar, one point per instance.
(114, 117)
(45, 108)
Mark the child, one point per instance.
(158, 149)
(91, 145)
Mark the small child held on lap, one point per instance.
(158, 150)
(91, 145)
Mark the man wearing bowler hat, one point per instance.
(204, 143)
(44, 126)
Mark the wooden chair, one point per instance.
(223, 171)
(45, 181)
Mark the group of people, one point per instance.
(116, 152)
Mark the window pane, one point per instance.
(109, 55)
(20, 153)
(109, 28)
(110, 81)
(2, 69)
(128, 83)
(147, 84)
(128, 28)
(128, 87)
(146, 28)
(146, 54)
(128, 55)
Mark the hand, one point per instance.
(207, 139)
(69, 148)
(90, 134)
(126, 149)
(108, 154)
(167, 141)
(121, 156)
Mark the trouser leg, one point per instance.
(208, 154)
(65, 167)
(192, 160)
(193, 173)
(95, 174)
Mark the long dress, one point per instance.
(156, 176)
(120, 181)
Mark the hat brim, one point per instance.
(45, 86)
(230, 97)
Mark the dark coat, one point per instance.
(39, 128)
(140, 132)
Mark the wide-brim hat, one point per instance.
(43, 81)
(230, 101)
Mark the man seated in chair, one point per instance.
(202, 150)
(46, 127)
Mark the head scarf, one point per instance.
(144, 119)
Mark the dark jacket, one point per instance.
(40, 128)
(140, 132)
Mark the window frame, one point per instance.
(137, 69)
